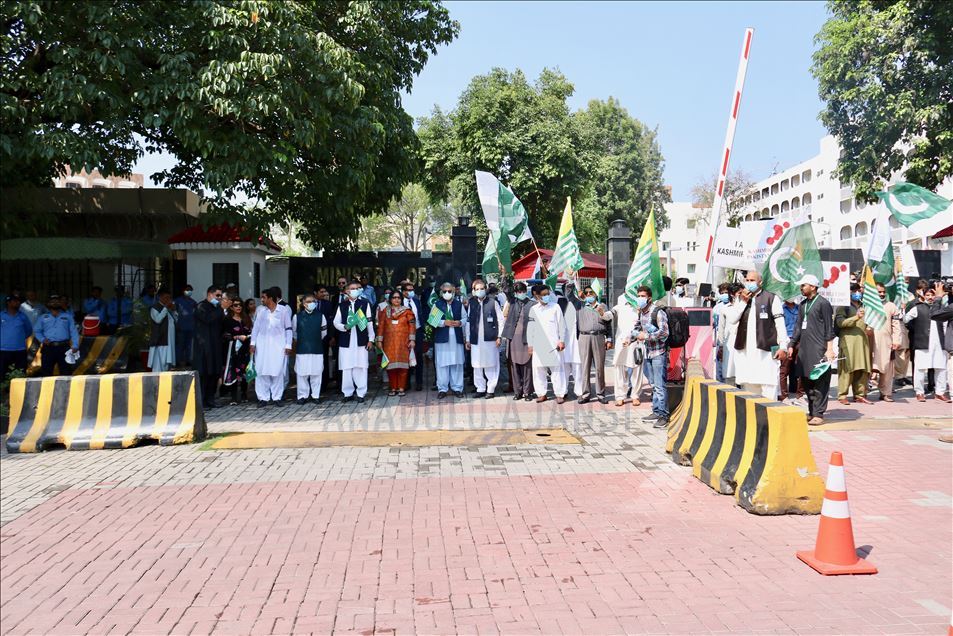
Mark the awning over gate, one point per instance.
(61, 248)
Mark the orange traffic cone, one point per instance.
(834, 552)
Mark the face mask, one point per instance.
(479, 293)
(447, 295)
(723, 298)
(188, 292)
(590, 300)
(856, 296)
(354, 293)
(545, 299)
(521, 295)
(679, 290)
(641, 301)
(310, 306)
(215, 301)
(751, 286)
(411, 294)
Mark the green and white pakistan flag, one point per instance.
(879, 255)
(919, 210)
(646, 267)
(874, 313)
(794, 257)
(566, 256)
(506, 219)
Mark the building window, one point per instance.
(72, 185)
(894, 223)
(860, 229)
(774, 189)
(785, 206)
(806, 176)
(806, 199)
(845, 234)
(224, 274)
(691, 268)
(795, 181)
(784, 185)
(257, 280)
(796, 202)
(666, 245)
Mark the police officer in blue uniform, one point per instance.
(57, 333)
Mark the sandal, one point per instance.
(392, 393)
(401, 393)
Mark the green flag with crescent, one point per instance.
(794, 257)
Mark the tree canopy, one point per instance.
(408, 222)
(885, 73)
(289, 102)
(738, 185)
(526, 135)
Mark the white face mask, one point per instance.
(447, 295)
(479, 293)
(679, 290)
(354, 293)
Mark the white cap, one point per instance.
(810, 279)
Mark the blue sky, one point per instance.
(671, 64)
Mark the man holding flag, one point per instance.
(853, 368)
(450, 325)
(928, 340)
(761, 342)
(355, 340)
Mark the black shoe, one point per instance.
(518, 397)
(458, 394)
(441, 395)
(583, 400)
(301, 401)
(650, 418)
(348, 398)
(480, 394)
(317, 401)
(490, 396)
(262, 404)
(276, 403)
(661, 422)
(360, 400)
(528, 397)
(603, 399)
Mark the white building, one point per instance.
(683, 243)
(839, 219)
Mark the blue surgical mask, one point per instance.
(751, 286)
(679, 289)
(723, 298)
(641, 301)
(521, 295)
(215, 301)
(856, 296)
(354, 293)
(590, 300)
(479, 293)
(310, 306)
(188, 292)
(411, 294)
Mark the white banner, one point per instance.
(836, 285)
(761, 237)
(907, 262)
(730, 251)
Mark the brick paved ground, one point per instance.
(607, 537)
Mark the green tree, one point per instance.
(885, 73)
(292, 102)
(624, 165)
(521, 132)
(408, 222)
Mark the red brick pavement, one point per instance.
(651, 552)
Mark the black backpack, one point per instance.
(677, 326)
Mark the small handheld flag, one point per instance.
(435, 316)
(874, 313)
(646, 267)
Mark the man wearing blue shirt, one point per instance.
(57, 333)
(15, 328)
(118, 311)
(788, 379)
(95, 305)
(185, 326)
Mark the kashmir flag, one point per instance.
(874, 313)
(904, 295)
(384, 360)
(596, 287)
(923, 212)
(646, 267)
(435, 316)
(361, 320)
(506, 219)
(793, 257)
(879, 255)
(566, 256)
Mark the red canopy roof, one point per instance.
(222, 233)
(944, 233)
(594, 265)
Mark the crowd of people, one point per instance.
(334, 337)
(788, 350)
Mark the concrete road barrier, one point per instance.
(89, 412)
(97, 354)
(742, 444)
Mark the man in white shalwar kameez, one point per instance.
(548, 317)
(628, 375)
(271, 345)
(162, 336)
(449, 339)
(354, 342)
(483, 340)
(309, 328)
(925, 330)
(762, 339)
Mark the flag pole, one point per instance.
(726, 153)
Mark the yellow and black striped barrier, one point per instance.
(109, 411)
(97, 354)
(743, 444)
